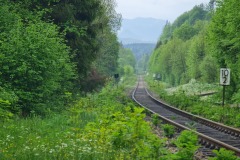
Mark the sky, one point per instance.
(159, 9)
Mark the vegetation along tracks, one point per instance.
(211, 134)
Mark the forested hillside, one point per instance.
(142, 53)
(139, 49)
(198, 43)
(53, 50)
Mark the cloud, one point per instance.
(161, 9)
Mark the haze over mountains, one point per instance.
(141, 30)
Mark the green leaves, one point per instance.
(187, 144)
(184, 32)
(169, 130)
(223, 37)
(126, 62)
(223, 154)
(89, 26)
(36, 64)
(184, 54)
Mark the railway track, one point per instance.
(211, 134)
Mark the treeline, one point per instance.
(52, 50)
(126, 61)
(198, 43)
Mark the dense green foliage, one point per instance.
(52, 50)
(139, 49)
(223, 154)
(104, 126)
(126, 62)
(198, 43)
(88, 26)
(181, 53)
(142, 53)
(142, 64)
(169, 130)
(224, 41)
(35, 62)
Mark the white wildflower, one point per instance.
(64, 144)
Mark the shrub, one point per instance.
(34, 61)
(224, 154)
(155, 119)
(187, 145)
(5, 114)
(169, 130)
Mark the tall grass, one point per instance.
(100, 126)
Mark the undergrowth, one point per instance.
(105, 125)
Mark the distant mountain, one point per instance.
(141, 30)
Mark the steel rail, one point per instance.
(203, 139)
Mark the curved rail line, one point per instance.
(211, 134)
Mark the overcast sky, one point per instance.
(160, 9)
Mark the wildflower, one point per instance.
(57, 146)
(51, 151)
(71, 153)
(64, 145)
(27, 147)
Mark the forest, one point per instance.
(197, 44)
(53, 51)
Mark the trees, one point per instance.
(49, 48)
(184, 32)
(169, 61)
(181, 51)
(80, 20)
(85, 22)
(224, 38)
(126, 61)
(105, 65)
(196, 54)
(143, 63)
(35, 62)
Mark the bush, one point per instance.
(8, 106)
(169, 130)
(5, 114)
(224, 154)
(34, 62)
(155, 119)
(187, 145)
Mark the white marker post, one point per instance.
(224, 80)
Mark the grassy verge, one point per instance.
(102, 126)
